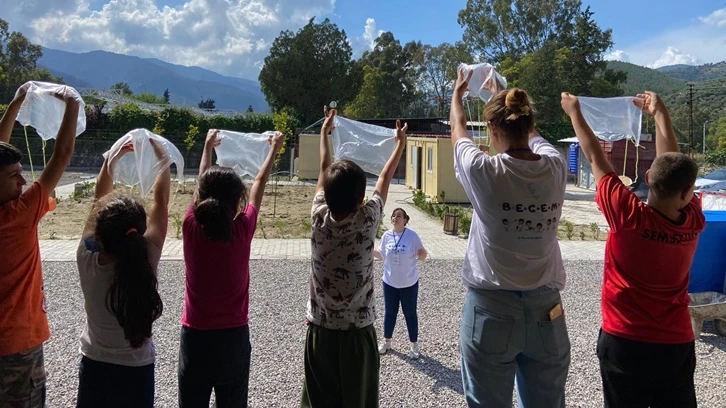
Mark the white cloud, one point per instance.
(367, 41)
(717, 18)
(617, 55)
(702, 40)
(672, 56)
(228, 36)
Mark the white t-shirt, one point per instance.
(341, 285)
(517, 205)
(400, 257)
(103, 338)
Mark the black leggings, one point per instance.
(214, 359)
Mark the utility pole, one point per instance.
(690, 117)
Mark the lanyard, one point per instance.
(399, 238)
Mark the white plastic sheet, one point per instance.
(44, 112)
(243, 152)
(612, 119)
(483, 73)
(142, 166)
(366, 145)
(713, 201)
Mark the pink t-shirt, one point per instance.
(217, 294)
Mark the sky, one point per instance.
(233, 37)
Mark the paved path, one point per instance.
(440, 248)
(439, 245)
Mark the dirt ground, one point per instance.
(285, 212)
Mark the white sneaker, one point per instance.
(384, 347)
(415, 351)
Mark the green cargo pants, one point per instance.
(342, 368)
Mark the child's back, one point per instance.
(647, 262)
(341, 288)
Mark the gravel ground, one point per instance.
(278, 296)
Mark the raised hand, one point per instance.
(160, 152)
(462, 83)
(649, 102)
(128, 147)
(401, 132)
(65, 96)
(23, 90)
(213, 139)
(328, 124)
(276, 141)
(570, 104)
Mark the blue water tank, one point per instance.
(709, 264)
(573, 156)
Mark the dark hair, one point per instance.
(344, 183)
(406, 218)
(220, 193)
(9, 154)
(512, 112)
(133, 296)
(671, 174)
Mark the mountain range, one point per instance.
(187, 85)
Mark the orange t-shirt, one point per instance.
(23, 323)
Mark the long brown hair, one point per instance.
(220, 193)
(133, 296)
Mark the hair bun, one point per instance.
(517, 104)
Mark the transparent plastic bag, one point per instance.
(366, 145)
(483, 73)
(44, 112)
(243, 152)
(142, 166)
(612, 119)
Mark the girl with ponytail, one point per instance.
(117, 260)
(217, 230)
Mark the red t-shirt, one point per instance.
(217, 274)
(23, 323)
(647, 262)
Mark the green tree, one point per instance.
(308, 69)
(500, 29)
(250, 109)
(395, 71)
(208, 104)
(716, 138)
(539, 58)
(437, 70)
(149, 97)
(190, 138)
(18, 62)
(167, 96)
(123, 87)
(369, 103)
(286, 123)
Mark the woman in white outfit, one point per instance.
(400, 250)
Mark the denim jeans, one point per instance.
(408, 299)
(507, 335)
